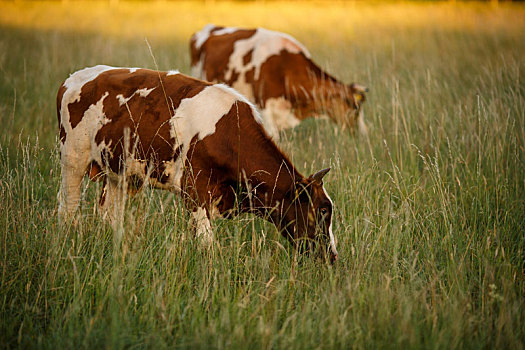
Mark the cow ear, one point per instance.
(318, 176)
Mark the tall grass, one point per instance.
(429, 207)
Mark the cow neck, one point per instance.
(271, 173)
(322, 89)
(260, 167)
(329, 88)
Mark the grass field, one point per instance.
(430, 208)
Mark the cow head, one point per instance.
(353, 100)
(357, 92)
(306, 216)
(343, 103)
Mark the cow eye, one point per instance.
(323, 211)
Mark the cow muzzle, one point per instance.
(330, 254)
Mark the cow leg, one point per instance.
(112, 200)
(361, 126)
(70, 188)
(199, 219)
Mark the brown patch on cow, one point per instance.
(249, 75)
(271, 81)
(247, 58)
(294, 80)
(60, 95)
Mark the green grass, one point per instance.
(430, 208)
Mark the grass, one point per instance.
(429, 208)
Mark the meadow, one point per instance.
(429, 207)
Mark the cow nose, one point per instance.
(333, 258)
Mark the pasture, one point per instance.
(429, 208)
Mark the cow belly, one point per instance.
(136, 171)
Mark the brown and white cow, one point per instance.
(185, 135)
(276, 72)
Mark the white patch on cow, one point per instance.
(277, 115)
(203, 35)
(227, 30)
(80, 139)
(144, 92)
(122, 100)
(140, 92)
(173, 72)
(331, 234)
(133, 70)
(74, 83)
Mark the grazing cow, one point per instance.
(275, 71)
(189, 136)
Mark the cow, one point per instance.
(276, 72)
(202, 140)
